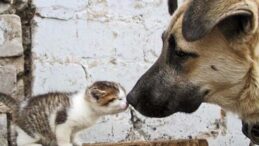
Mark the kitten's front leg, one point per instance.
(73, 140)
(63, 134)
(23, 139)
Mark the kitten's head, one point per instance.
(107, 97)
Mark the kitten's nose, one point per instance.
(127, 105)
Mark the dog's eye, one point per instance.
(182, 54)
(174, 50)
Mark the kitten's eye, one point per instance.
(109, 101)
(112, 100)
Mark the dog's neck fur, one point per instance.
(243, 97)
(248, 104)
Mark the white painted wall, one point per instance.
(76, 42)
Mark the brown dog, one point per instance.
(209, 55)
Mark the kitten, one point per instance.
(53, 119)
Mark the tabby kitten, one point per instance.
(53, 119)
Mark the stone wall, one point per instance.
(14, 71)
(11, 63)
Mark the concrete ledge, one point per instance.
(198, 142)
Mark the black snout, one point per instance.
(131, 100)
(149, 96)
(148, 108)
(159, 93)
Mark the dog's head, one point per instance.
(208, 55)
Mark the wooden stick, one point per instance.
(197, 142)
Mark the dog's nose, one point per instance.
(131, 99)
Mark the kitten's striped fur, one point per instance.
(54, 118)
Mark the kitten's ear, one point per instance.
(97, 93)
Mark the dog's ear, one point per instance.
(172, 6)
(234, 18)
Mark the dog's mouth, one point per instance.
(154, 114)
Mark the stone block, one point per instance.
(7, 79)
(7, 83)
(3, 130)
(17, 62)
(4, 7)
(10, 36)
(4, 109)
